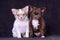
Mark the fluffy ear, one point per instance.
(14, 11)
(26, 8)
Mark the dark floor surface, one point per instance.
(53, 37)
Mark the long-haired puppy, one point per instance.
(21, 24)
(37, 23)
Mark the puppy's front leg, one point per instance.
(42, 30)
(30, 28)
(27, 32)
(19, 35)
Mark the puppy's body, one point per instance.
(37, 23)
(37, 28)
(20, 27)
(21, 23)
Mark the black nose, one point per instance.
(36, 13)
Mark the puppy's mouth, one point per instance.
(36, 17)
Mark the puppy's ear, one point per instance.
(14, 11)
(42, 10)
(31, 8)
(26, 8)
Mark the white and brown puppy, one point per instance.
(21, 23)
(37, 23)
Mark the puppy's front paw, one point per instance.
(42, 36)
(18, 36)
(27, 36)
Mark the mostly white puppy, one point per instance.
(21, 23)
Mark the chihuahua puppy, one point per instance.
(21, 23)
(37, 23)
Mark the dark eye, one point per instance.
(23, 14)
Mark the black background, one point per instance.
(51, 16)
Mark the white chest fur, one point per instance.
(35, 23)
(21, 25)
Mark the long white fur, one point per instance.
(20, 26)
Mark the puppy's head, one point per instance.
(36, 13)
(20, 13)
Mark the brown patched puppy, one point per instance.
(37, 23)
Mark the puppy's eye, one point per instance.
(23, 14)
(17, 15)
